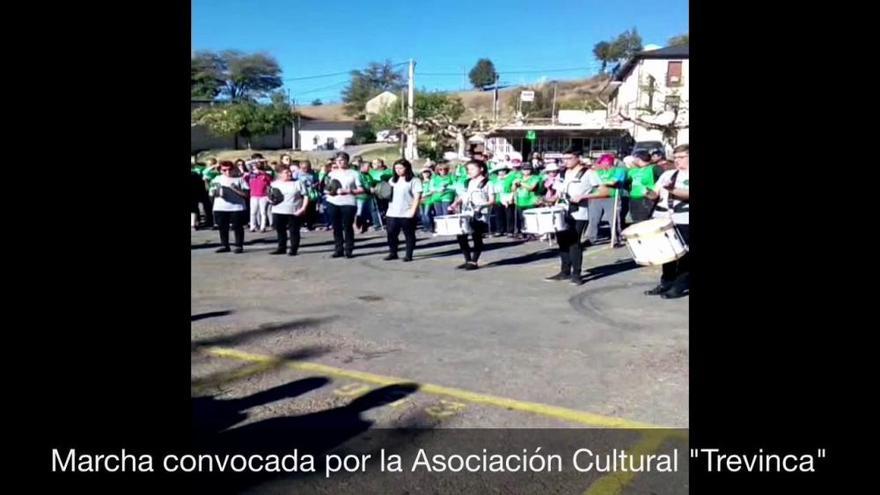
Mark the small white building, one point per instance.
(656, 80)
(325, 135)
(376, 104)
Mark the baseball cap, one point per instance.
(552, 167)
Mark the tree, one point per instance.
(626, 45)
(680, 40)
(235, 75)
(483, 74)
(206, 76)
(367, 83)
(435, 115)
(317, 102)
(602, 52)
(623, 47)
(245, 118)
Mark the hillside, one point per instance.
(479, 103)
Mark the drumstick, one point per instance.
(614, 220)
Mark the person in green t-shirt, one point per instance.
(443, 187)
(525, 195)
(429, 198)
(379, 172)
(364, 215)
(641, 178)
(211, 171)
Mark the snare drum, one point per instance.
(654, 242)
(453, 225)
(540, 221)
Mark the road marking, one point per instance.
(555, 412)
(614, 483)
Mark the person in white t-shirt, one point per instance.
(672, 193)
(402, 209)
(342, 204)
(579, 185)
(289, 214)
(477, 199)
(230, 197)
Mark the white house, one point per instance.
(656, 80)
(375, 105)
(325, 134)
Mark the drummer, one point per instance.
(642, 178)
(579, 186)
(477, 198)
(672, 193)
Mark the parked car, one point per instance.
(649, 146)
(387, 136)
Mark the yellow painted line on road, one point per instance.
(614, 483)
(555, 412)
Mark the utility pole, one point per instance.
(553, 112)
(495, 100)
(412, 138)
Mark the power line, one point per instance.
(303, 78)
(528, 71)
(314, 90)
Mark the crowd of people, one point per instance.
(346, 193)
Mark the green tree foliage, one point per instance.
(363, 134)
(366, 84)
(680, 40)
(245, 118)
(427, 105)
(623, 47)
(206, 76)
(317, 102)
(602, 52)
(235, 75)
(483, 74)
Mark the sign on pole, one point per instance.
(527, 96)
(530, 135)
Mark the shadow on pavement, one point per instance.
(261, 331)
(212, 314)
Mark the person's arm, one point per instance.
(414, 210)
(305, 205)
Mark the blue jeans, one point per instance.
(441, 208)
(427, 217)
(365, 211)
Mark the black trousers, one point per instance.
(678, 272)
(571, 249)
(472, 255)
(500, 219)
(287, 223)
(408, 226)
(513, 226)
(342, 220)
(641, 209)
(311, 214)
(237, 220)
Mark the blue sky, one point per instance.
(312, 37)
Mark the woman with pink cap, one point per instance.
(602, 209)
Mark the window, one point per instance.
(673, 74)
(672, 102)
